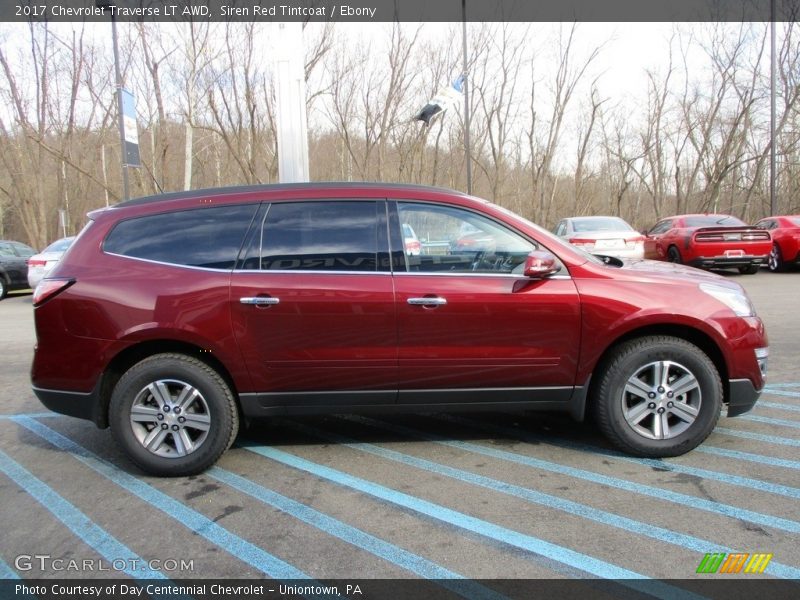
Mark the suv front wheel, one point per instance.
(658, 396)
(173, 414)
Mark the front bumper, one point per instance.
(742, 396)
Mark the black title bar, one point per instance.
(398, 10)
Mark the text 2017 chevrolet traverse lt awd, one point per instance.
(173, 317)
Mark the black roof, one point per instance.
(271, 187)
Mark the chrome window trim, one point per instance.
(317, 272)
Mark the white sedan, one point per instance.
(609, 236)
(39, 265)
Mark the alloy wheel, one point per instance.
(661, 400)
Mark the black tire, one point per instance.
(749, 270)
(775, 260)
(674, 255)
(3, 287)
(210, 425)
(615, 406)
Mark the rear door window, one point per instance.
(323, 236)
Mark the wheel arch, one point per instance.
(690, 334)
(131, 355)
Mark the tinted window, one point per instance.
(661, 227)
(6, 250)
(320, 236)
(23, 250)
(460, 241)
(713, 221)
(203, 237)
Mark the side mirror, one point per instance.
(540, 264)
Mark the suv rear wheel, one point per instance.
(173, 414)
(658, 396)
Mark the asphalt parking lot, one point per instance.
(441, 497)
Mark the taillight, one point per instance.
(48, 288)
(634, 241)
(36, 262)
(413, 246)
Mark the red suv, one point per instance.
(173, 317)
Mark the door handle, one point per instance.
(260, 300)
(429, 301)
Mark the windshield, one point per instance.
(600, 224)
(59, 245)
(713, 221)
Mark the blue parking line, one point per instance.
(6, 572)
(506, 536)
(654, 463)
(43, 415)
(94, 536)
(779, 405)
(759, 437)
(771, 421)
(782, 393)
(402, 558)
(622, 484)
(554, 502)
(749, 456)
(196, 522)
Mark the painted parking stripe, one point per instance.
(622, 484)
(94, 536)
(782, 393)
(407, 560)
(760, 459)
(654, 463)
(771, 421)
(6, 572)
(759, 437)
(779, 406)
(42, 415)
(782, 385)
(200, 524)
(461, 520)
(557, 503)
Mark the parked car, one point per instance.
(171, 317)
(785, 232)
(413, 246)
(709, 241)
(609, 236)
(13, 266)
(41, 264)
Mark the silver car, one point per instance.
(39, 265)
(609, 236)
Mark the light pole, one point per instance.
(466, 97)
(773, 201)
(104, 4)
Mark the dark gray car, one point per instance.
(13, 266)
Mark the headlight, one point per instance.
(734, 299)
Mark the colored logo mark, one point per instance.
(734, 563)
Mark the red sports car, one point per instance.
(785, 233)
(709, 241)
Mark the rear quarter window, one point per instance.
(201, 237)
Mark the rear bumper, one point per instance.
(742, 397)
(83, 405)
(707, 262)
